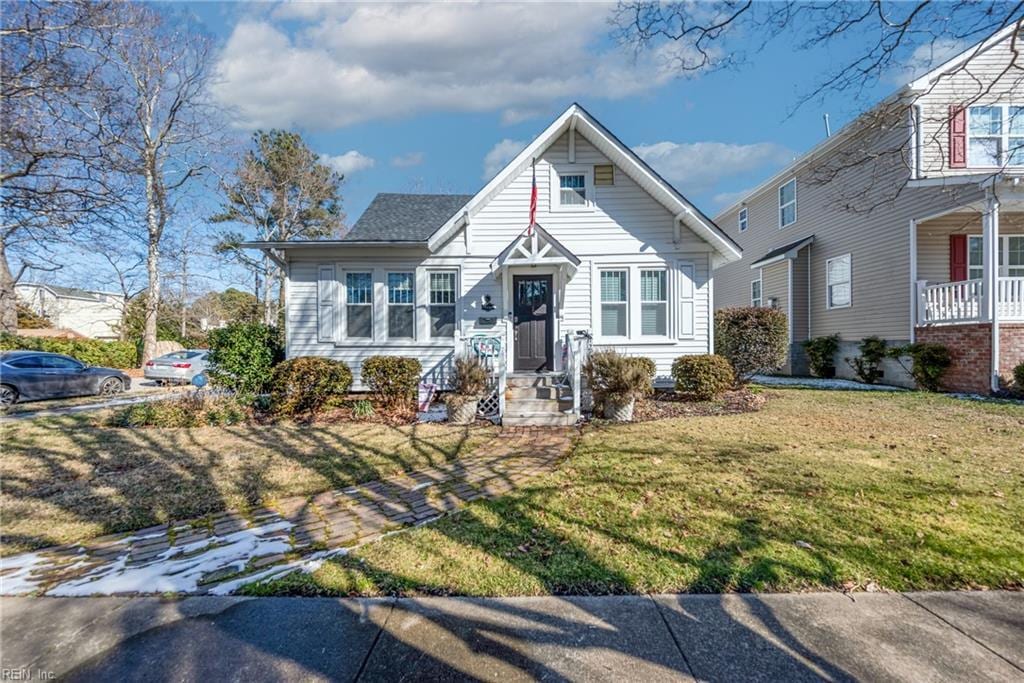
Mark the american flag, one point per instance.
(533, 201)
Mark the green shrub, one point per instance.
(304, 385)
(821, 353)
(195, 409)
(110, 354)
(704, 377)
(752, 339)
(1018, 379)
(392, 379)
(868, 365)
(615, 378)
(647, 366)
(929, 363)
(362, 410)
(242, 356)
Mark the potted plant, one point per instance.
(469, 379)
(617, 382)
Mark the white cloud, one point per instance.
(723, 199)
(407, 160)
(349, 162)
(926, 57)
(345, 64)
(697, 167)
(501, 154)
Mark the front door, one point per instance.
(532, 318)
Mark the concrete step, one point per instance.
(537, 405)
(532, 379)
(551, 393)
(538, 420)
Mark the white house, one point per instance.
(91, 314)
(616, 253)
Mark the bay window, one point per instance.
(401, 306)
(614, 303)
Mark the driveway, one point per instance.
(142, 390)
(796, 637)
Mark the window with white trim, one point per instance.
(1011, 256)
(572, 189)
(838, 273)
(443, 298)
(653, 303)
(743, 219)
(995, 136)
(359, 305)
(401, 305)
(755, 293)
(787, 203)
(614, 303)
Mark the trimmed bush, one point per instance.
(304, 385)
(648, 367)
(929, 363)
(615, 378)
(195, 409)
(392, 379)
(704, 377)
(753, 339)
(109, 354)
(1018, 379)
(868, 365)
(821, 353)
(243, 355)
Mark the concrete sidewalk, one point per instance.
(791, 637)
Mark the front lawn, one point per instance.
(70, 478)
(839, 490)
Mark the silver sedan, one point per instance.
(178, 367)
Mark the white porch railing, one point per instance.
(963, 302)
(1011, 298)
(491, 348)
(577, 348)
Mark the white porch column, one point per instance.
(990, 270)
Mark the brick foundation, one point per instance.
(971, 349)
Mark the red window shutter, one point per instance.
(957, 136)
(957, 258)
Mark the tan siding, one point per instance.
(933, 240)
(800, 294)
(987, 78)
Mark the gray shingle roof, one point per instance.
(779, 251)
(405, 217)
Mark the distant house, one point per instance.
(90, 314)
(614, 253)
(942, 260)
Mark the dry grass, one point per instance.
(70, 478)
(833, 490)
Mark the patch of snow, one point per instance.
(820, 383)
(987, 399)
(436, 413)
(307, 565)
(170, 572)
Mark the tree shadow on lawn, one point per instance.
(122, 479)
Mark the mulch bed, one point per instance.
(664, 404)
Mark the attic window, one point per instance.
(604, 174)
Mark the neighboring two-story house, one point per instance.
(908, 224)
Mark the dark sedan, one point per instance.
(34, 375)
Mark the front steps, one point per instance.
(537, 400)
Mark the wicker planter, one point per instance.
(619, 412)
(464, 414)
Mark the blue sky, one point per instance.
(414, 97)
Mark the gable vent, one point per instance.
(604, 174)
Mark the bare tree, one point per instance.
(166, 127)
(54, 172)
(280, 191)
(889, 35)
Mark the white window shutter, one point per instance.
(326, 285)
(686, 306)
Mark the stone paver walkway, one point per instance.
(220, 553)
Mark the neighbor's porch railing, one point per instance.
(577, 350)
(963, 302)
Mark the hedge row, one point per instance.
(110, 354)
